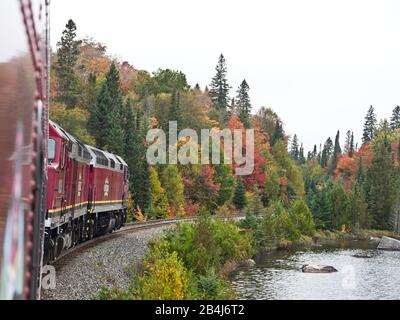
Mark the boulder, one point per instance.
(248, 263)
(375, 240)
(318, 269)
(363, 256)
(389, 244)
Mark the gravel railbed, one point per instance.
(106, 264)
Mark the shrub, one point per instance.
(165, 276)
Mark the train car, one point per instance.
(108, 191)
(23, 128)
(67, 191)
(87, 192)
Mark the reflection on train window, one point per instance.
(52, 149)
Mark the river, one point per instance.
(279, 276)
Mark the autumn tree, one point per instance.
(219, 91)
(174, 188)
(158, 205)
(370, 125)
(67, 57)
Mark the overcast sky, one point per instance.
(319, 64)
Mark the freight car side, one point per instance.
(23, 128)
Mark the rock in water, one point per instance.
(248, 263)
(318, 269)
(389, 244)
(375, 240)
(363, 256)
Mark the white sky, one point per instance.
(319, 64)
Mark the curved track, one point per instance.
(126, 229)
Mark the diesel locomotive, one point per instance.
(87, 192)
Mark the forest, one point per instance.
(110, 104)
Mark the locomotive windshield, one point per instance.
(52, 149)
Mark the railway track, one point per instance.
(126, 229)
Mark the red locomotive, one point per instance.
(87, 192)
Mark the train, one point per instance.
(87, 192)
(55, 191)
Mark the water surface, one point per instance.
(279, 277)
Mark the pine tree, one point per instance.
(175, 113)
(224, 177)
(279, 134)
(67, 57)
(138, 167)
(294, 149)
(302, 159)
(243, 103)
(381, 185)
(91, 92)
(347, 143)
(129, 130)
(351, 150)
(99, 122)
(326, 152)
(107, 117)
(395, 119)
(219, 86)
(337, 151)
(370, 125)
(240, 199)
(197, 87)
(314, 154)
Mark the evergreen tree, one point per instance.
(395, 119)
(240, 199)
(337, 151)
(99, 122)
(197, 87)
(175, 113)
(314, 153)
(294, 149)
(67, 57)
(138, 168)
(370, 125)
(302, 158)
(129, 130)
(351, 149)
(278, 134)
(107, 117)
(224, 178)
(347, 143)
(219, 86)
(326, 153)
(243, 103)
(381, 185)
(91, 92)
